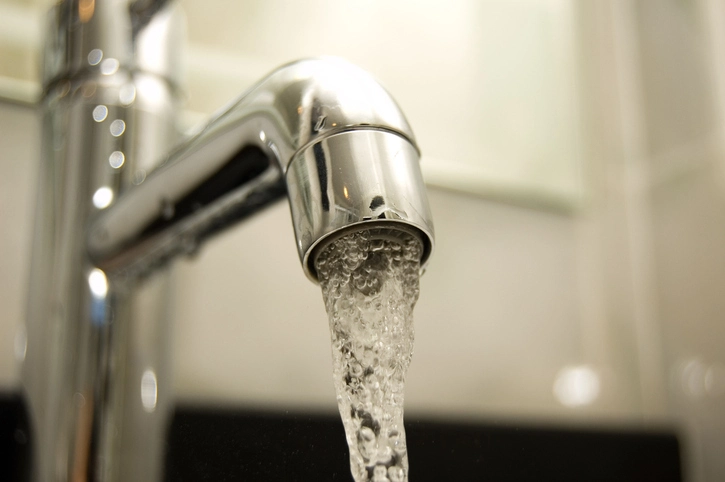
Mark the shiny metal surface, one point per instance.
(350, 180)
(323, 125)
(79, 371)
(97, 38)
(96, 371)
(92, 343)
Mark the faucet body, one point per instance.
(120, 197)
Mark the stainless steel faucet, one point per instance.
(120, 197)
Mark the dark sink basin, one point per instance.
(237, 445)
(231, 445)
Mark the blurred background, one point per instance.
(575, 156)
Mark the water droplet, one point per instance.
(380, 474)
(396, 474)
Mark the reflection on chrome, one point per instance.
(577, 386)
(149, 390)
(95, 56)
(100, 113)
(103, 197)
(116, 159)
(98, 283)
(127, 94)
(118, 127)
(109, 66)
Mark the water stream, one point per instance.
(369, 282)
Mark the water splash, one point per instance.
(369, 282)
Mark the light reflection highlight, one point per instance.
(118, 127)
(110, 66)
(577, 386)
(149, 390)
(103, 197)
(116, 159)
(95, 56)
(98, 283)
(100, 112)
(127, 94)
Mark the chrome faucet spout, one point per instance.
(321, 129)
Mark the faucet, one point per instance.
(121, 196)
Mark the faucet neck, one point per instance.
(97, 39)
(299, 108)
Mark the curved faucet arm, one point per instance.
(237, 163)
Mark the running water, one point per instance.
(369, 282)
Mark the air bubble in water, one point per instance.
(370, 286)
